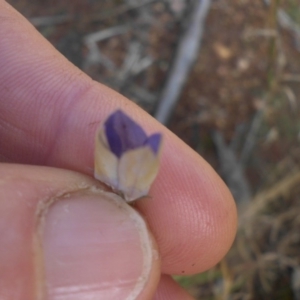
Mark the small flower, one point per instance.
(125, 157)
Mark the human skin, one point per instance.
(51, 207)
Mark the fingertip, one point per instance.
(192, 213)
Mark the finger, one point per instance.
(50, 111)
(63, 238)
(168, 289)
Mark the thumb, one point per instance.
(64, 238)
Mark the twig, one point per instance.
(265, 198)
(290, 77)
(142, 95)
(285, 21)
(232, 171)
(94, 56)
(239, 134)
(133, 64)
(296, 283)
(104, 34)
(132, 58)
(185, 57)
(260, 32)
(251, 137)
(50, 20)
(291, 98)
(56, 20)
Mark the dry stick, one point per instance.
(185, 57)
(103, 34)
(232, 171)
(133, 64)
(286, 22)
(290, 77)
(56, 20)
(295, 280)
(251, 137)
(265, 198)
(91, 40)
(132, 58)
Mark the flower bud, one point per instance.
(126, 158)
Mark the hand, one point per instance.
(62, 239)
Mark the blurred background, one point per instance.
(223, 75)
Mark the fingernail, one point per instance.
(94, 246)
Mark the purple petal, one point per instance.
(154, 142)
(123, 133)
